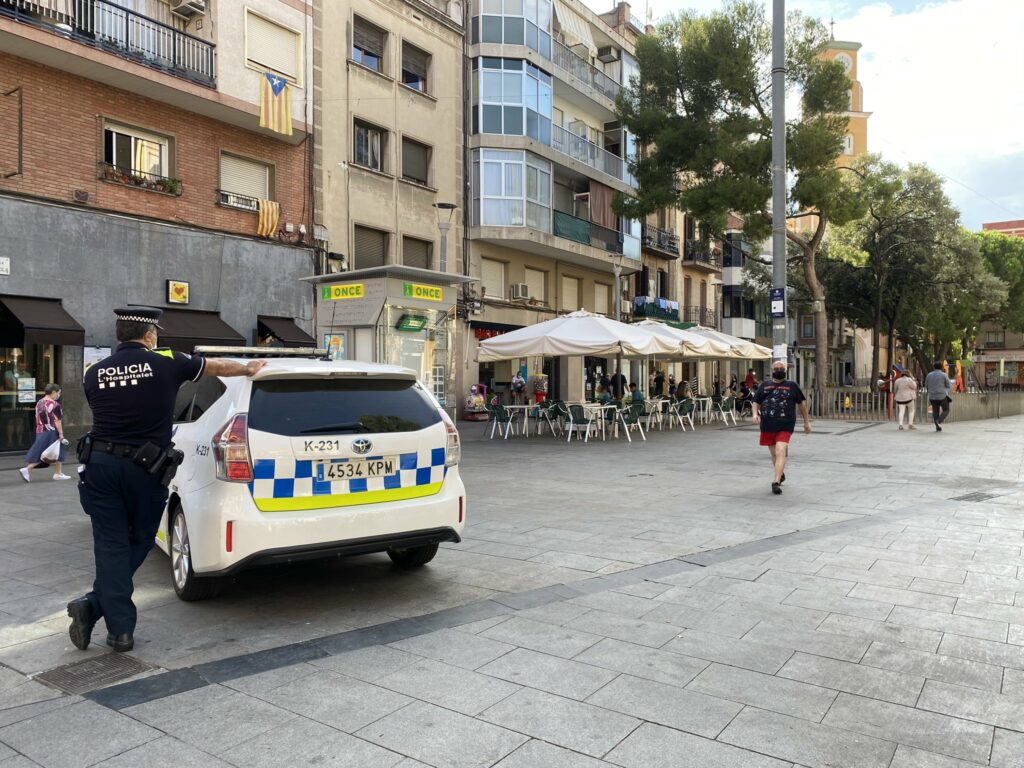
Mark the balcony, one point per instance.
(122, 32)
(583, 71)
(141, 179)
(663, 242)
(653, 308)
(586, 152)
(698, 254)
(699, 316)
(586, 232)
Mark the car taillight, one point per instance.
(453, 448)
(231, 451)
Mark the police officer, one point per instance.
(132, 395)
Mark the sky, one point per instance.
(944, 81)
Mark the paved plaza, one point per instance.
(612, 604)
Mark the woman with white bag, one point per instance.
(49, 445)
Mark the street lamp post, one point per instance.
(444, 223)
(779, 175)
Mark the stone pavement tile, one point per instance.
(863, 680)
(367, 664)
(952, 575)
(787, 697)
(5, 752)
(973, 704)
(717, 621)
(883, 554)
(1007, 749)
(650, 633)
(260, 683)
(753, 590)
(629, 606)
(810, 641)
(863, 576)
(18, 761)
(986, 651)
(478, 626)
(447, 686)
(908, 757)
(461, 649)
(1016, 634)
(693, 597)
(934, 666)
(881, 631)
(849, 606)
(641, 661)
(571, 560)
(684, 578)
(984, 610)
(567, 723)
(647, 588)
(1001, 595)
(666, 704)
(557, 613)
(540, 754)
(1013, 682)
(537, 636)
(67, 737)
(442, 738)
(745, 653)
(914, 727)
(653, 746)
(775, 613)
(26, 692)
(806, 581)
(905, 597)
(165, 752)
(966, 562)
(553, 674)
(810, 744)
(986, 581)
(305, 742)
(26, 711)
(335, 700)
(985, 629)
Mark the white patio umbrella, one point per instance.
(693, 346)
(578, 333)
(742, 348)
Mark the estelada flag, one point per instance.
(275, 104)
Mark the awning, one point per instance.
(575, 27)
(185, 329)
(284, 330)
(32, 320)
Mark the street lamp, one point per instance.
(445, 213)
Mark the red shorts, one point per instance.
(771, 438)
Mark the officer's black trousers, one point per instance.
(125, 503)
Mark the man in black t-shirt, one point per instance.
(775, 406)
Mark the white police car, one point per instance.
(309, 458)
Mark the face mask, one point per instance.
(779, 375)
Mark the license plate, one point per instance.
(353, 470)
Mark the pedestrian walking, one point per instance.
(904, 389)
(751, 380)
(618, 385)
(939, 387)
(129, 460)
(49, 430)
(659, 383)
(774, 407)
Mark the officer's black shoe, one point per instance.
(121, 643)
(82, 622)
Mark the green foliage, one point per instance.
(1003, 255)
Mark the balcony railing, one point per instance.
(109, 27)
(661, 240)
(586, 232)
(655, 308)
(699, 315)
(586, 152)
(141, 179)
(233, 200)
(699, 254)
(583, 70)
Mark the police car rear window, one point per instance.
(339, 406)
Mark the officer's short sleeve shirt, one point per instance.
(132, 393)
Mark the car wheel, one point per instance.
(187, 585)
(413, 557)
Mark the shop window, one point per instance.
(270, 46)
(370, 145)
(416, 253)
(492, 275)
(570, 294)
(136, 152)
(415, 161)
(415, 65)
(244, 182)
(371, 247)
(368, 41)
(536, 282)
(602, 292)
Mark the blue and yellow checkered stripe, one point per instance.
(284, 485)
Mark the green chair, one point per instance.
(631, 417)
(725, 407)
(502, 418)
(685, 409)
(580, 420)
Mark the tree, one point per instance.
(701, 111)
(1004, 257)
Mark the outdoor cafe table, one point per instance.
(599, 411)
(525, 410)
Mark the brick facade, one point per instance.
(63, 130)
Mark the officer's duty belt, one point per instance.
(116, 449)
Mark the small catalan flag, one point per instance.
(275, 104)
(270, 213)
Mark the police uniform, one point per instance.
(131, 394)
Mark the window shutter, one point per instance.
(414, 60)
(368, 37)
(272, 46)
(414, 161)
(416, 253)
(570, 294)
(493, 274)
(371, 247)
(244, 177)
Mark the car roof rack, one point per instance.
(264, 353)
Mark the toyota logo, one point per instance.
(362, 446)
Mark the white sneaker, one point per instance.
(24, 474)
(62, 477)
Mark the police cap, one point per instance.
(140, 315)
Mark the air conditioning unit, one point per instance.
(519, 291)
(188, 8)
(608, 53)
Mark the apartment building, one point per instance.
(133, 170)
(388, 182)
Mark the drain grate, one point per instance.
(976, 496)
(872, 466)
(97, 672)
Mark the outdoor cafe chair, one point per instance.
(685, 409)
(631, 417)
(674, 414)
(580, 420)
(725, 407)
(502, 418)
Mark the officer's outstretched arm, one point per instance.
(216, 366)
